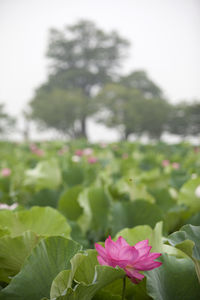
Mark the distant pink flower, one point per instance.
(10, 207)
(63, 150)
(103, 145)
(115, 147)
(125, 155)
(196, 149)
(92, 160)
(79, 152)
(39, 152)
(33, 147)
(132, 259)
(175, 165)
(87, 151)
(165, 163)
(5, 172)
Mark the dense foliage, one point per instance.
(72, 195)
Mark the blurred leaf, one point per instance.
(95, 203)
(73, 175)
(44, 197)
(45, 175)
(188, 197)
(41, 220)
(139, 212)
(68, 203)
(136, 190)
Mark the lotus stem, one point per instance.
(124, 288)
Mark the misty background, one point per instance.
(164, 37)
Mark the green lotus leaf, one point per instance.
(41, 220)
(175, 279)
(187, 240)
(46, 174)
(130, 214)
(68, 203)
(96, 204)
(13, 252)
(188, 196)
(47, 259)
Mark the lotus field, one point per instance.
(83, 221)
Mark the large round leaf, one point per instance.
(175, 279)
(187, 240)
(33, 282)
(130, 214)
(13, 251)
(89, 276)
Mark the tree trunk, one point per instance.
(125, 136)
(83, 132)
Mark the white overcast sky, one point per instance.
(164, 34)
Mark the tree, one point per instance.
(178, 121)
(155, 116)
(140, 80)
(194, 118)
(59, 109)
(123, 108)
(6, 122)
(83, 57)
(130, 112)
(185, 119)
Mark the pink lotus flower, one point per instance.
(196, 149)
(132, 259)
(165, 163)
(87, 151)
(79, 152)
(10, 207)
(92, 160)
(5, 172)
(175, 165)
(39, 152)
(103, 145)
(125, 155)
(63, 150)
(34, 149)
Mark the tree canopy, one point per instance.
(140, 80)
(82, 57)
(185, 119)
(128, 110)
(60, 109)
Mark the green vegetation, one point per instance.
(67, 201)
